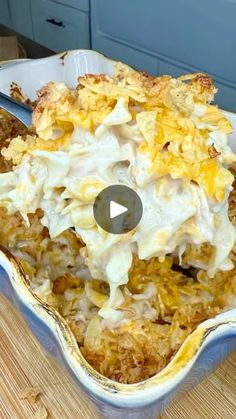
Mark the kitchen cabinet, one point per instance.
(182, 36)
(77, 4)
(60, 27)
(130, 55)
(56, 24)
(20, 12)
(5, 18)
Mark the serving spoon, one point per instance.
(17, 109)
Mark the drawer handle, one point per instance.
(55, 22)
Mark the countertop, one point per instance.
(24, 364)
(33, 49)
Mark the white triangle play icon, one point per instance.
(116, 209)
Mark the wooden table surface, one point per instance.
(24, 364)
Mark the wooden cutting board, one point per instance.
(23, 365)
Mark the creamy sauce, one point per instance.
(65, 184)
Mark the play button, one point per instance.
(117, 209)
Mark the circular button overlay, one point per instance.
(117, 209)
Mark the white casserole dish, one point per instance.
(199, 354)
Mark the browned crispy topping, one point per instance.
(213, 152)
(31, 394)
(62, 283)
(41, 412)
(17, 94)
(232, 202)
(204, 80)
(10, 127)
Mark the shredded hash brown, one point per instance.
(10, 127)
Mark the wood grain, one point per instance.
(23, 363)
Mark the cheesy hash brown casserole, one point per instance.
(130, 299)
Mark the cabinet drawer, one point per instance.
(21, 17)
(77, 4)
(59, 27)
(5, 18)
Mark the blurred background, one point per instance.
(158, 36)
